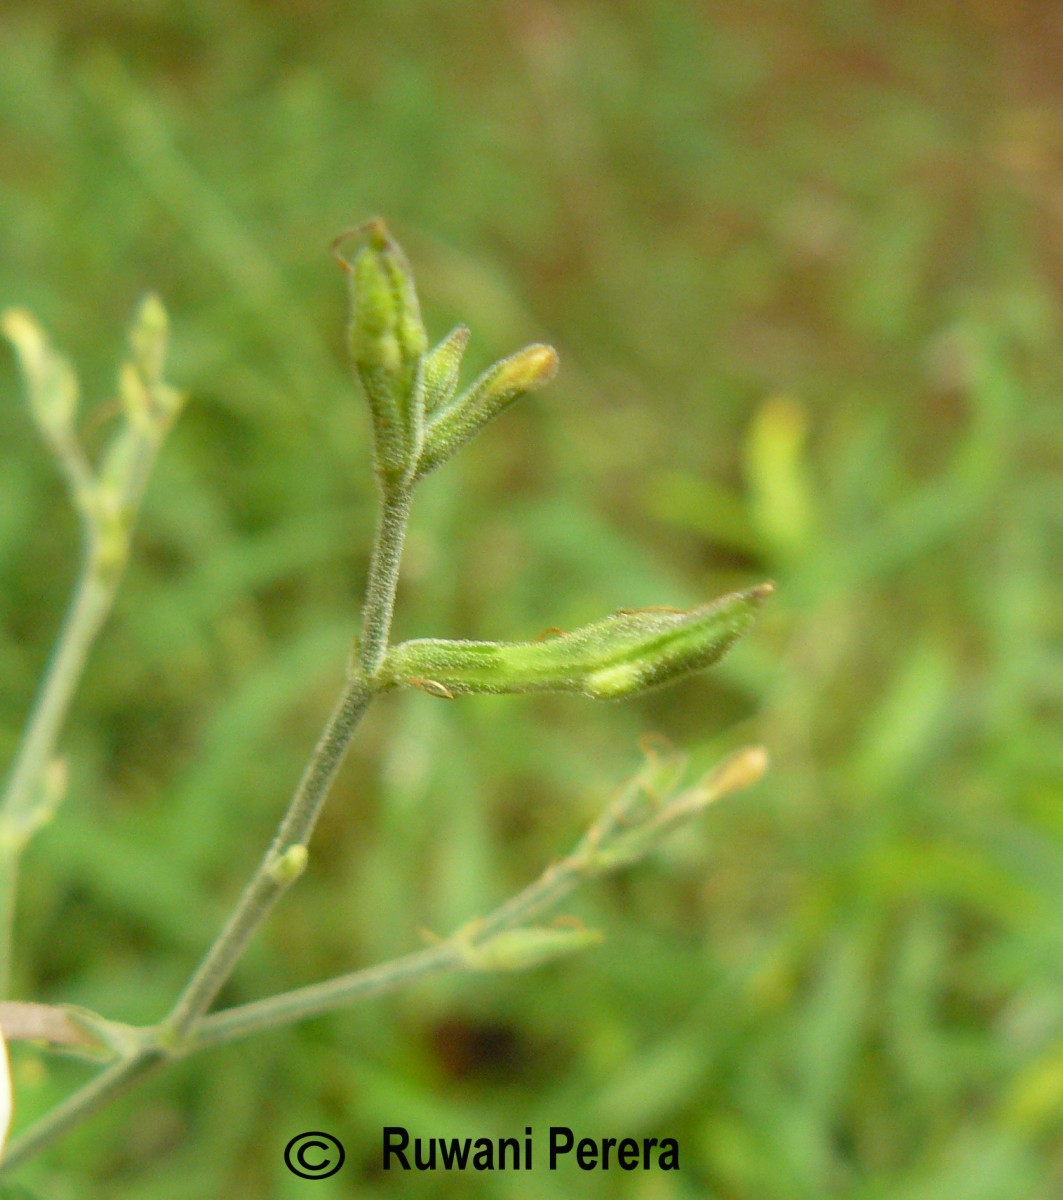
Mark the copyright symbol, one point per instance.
(314, 1155)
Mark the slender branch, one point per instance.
(231, 1024)
(25, 804)
(286, 856)
(280, 865)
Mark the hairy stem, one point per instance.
(281, 864)
(383, 579)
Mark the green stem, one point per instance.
(107, 1086)
(383, 579)
(282, 862)
(25, 802)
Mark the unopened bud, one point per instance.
(50, 379)
(495, 390)
(387, 341)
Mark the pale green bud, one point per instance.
(50, 379)
(622, 655)
(495, 390)
(521, 949)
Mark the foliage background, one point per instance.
(802, 262)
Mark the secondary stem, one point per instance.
(21, 807)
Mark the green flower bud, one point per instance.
(496, 389)
(387, 341)
(622, 655)
(521, 949)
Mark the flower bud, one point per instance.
(50, 379)
(622, 655)
(497, 388)
(387, 340)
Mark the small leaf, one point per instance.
(495, 390)
(520, 949)
(622, 655)
(441, 366)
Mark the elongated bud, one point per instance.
(50, 379)
(441, 367)
(497, 388)
(622, 655)
(520, 949)
(387, 341)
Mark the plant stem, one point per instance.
(25, 802)
(280, 865)
(552, 886)
(285, 1009)
(383, 579)
(107, 1086)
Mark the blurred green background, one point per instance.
(802, 262)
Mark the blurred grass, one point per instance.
(803, 264)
